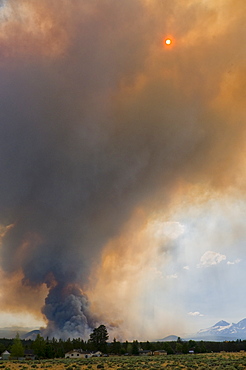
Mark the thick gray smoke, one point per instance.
(85, 137)
(68, 313)
(67, 170)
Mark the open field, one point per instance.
(225, 361)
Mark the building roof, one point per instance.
(78, 351)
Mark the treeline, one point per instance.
(53, 348)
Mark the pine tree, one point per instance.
(17, 349)
(135, 348)
(39, 346)
(99, 338)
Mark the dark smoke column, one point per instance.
(70, 167)
(67, 310)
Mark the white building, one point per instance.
(77, 353)
(5, 355)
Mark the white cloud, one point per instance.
(186, 268)
(210, 258)
(173, 276)
(196, 313)
(233, 262)
(169, 229)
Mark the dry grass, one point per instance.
(221, 361)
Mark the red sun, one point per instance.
(168, 42)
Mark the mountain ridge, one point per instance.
(221, 331)
(225, 330)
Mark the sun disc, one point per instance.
(168, 41)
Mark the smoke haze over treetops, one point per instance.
(104, 131)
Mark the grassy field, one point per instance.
(225, 361)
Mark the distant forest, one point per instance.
(53, 348)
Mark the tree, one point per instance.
(149, 346)
(168, 348)
(115, 347)
(129, 348)
(135, 348)
(39, 346)
(179, 347)
(17, 349)
(185, 348)
(2, 348)
(49, 349)
(99, 338)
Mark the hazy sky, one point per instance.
(122, 161)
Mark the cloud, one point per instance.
(172, 276)
(211, 258)
(196, 313)
(186, 267)
(234, 262)
(168, 229)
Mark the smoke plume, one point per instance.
(98, 120)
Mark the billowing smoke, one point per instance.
(68, 312)
(98, 119)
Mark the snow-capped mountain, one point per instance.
(223, 330)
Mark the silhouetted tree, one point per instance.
(115, 347)
(39, 346)
(129, 348)
(99, 338)
(135, 348)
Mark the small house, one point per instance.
(145, 353)
(5, 355)
(160, 353)
(78, 353)
(29, 354)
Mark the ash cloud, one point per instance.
(98, 119)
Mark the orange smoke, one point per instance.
(17, 297)
(36, 31)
